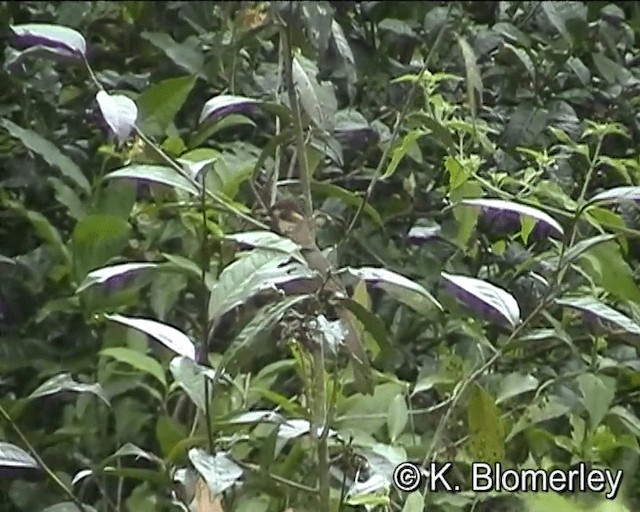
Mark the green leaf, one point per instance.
(317, 18)
(186, 57)
(64, 382)
(68, 506)
(414, 503)
(317, 100)
(365, 413)
(474, 80)
(516, 384)
(238, 282)
(156, 174)
(50, 153)
(583, 246)
(345, 52)
(269, 243)
(605, 264)
(348, 197)
(138, 360)
(42, 227)
(545, 409)
(564, 15)
(611, 71)
(397, 417)
(159, 104)
(219, 470)
(486, 431)
(191, 376)
(598, 393)
(399, 151)
(96, 239)
(458, 175)
(262, 322)
(66, 196)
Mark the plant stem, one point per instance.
(54, 478)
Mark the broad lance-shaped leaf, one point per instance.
(292, 278)
(190, 376)
(262, 322)
(12, 456)
(485, 298)
(226, 104)
(169, 336)
(119, 112)
(583, 246)
(401, 288)
(122, 271)
(268, 241)
(219, 470)
(51, 154)
(602, 312)
(63, 40)
(64, 382)
(155, 174)
(505, 212)
(138, 360)
(616, 195)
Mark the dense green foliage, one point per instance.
(474, 178)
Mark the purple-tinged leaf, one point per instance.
(606, 314)
(617, 195)
(169, 336)
(104, 274)
(401, 288)
(119, 112)
(485, 298)
(226, 104)
(507, 211)
(154, 174)
(63, 40)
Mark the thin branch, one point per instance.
(398, 125)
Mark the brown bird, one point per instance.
(288, 219)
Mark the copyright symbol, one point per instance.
(407, 477)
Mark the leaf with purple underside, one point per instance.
(602, 312)
(62, 40)
(485, 298)
(503, 210)
(226, 104)
(104, 274)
